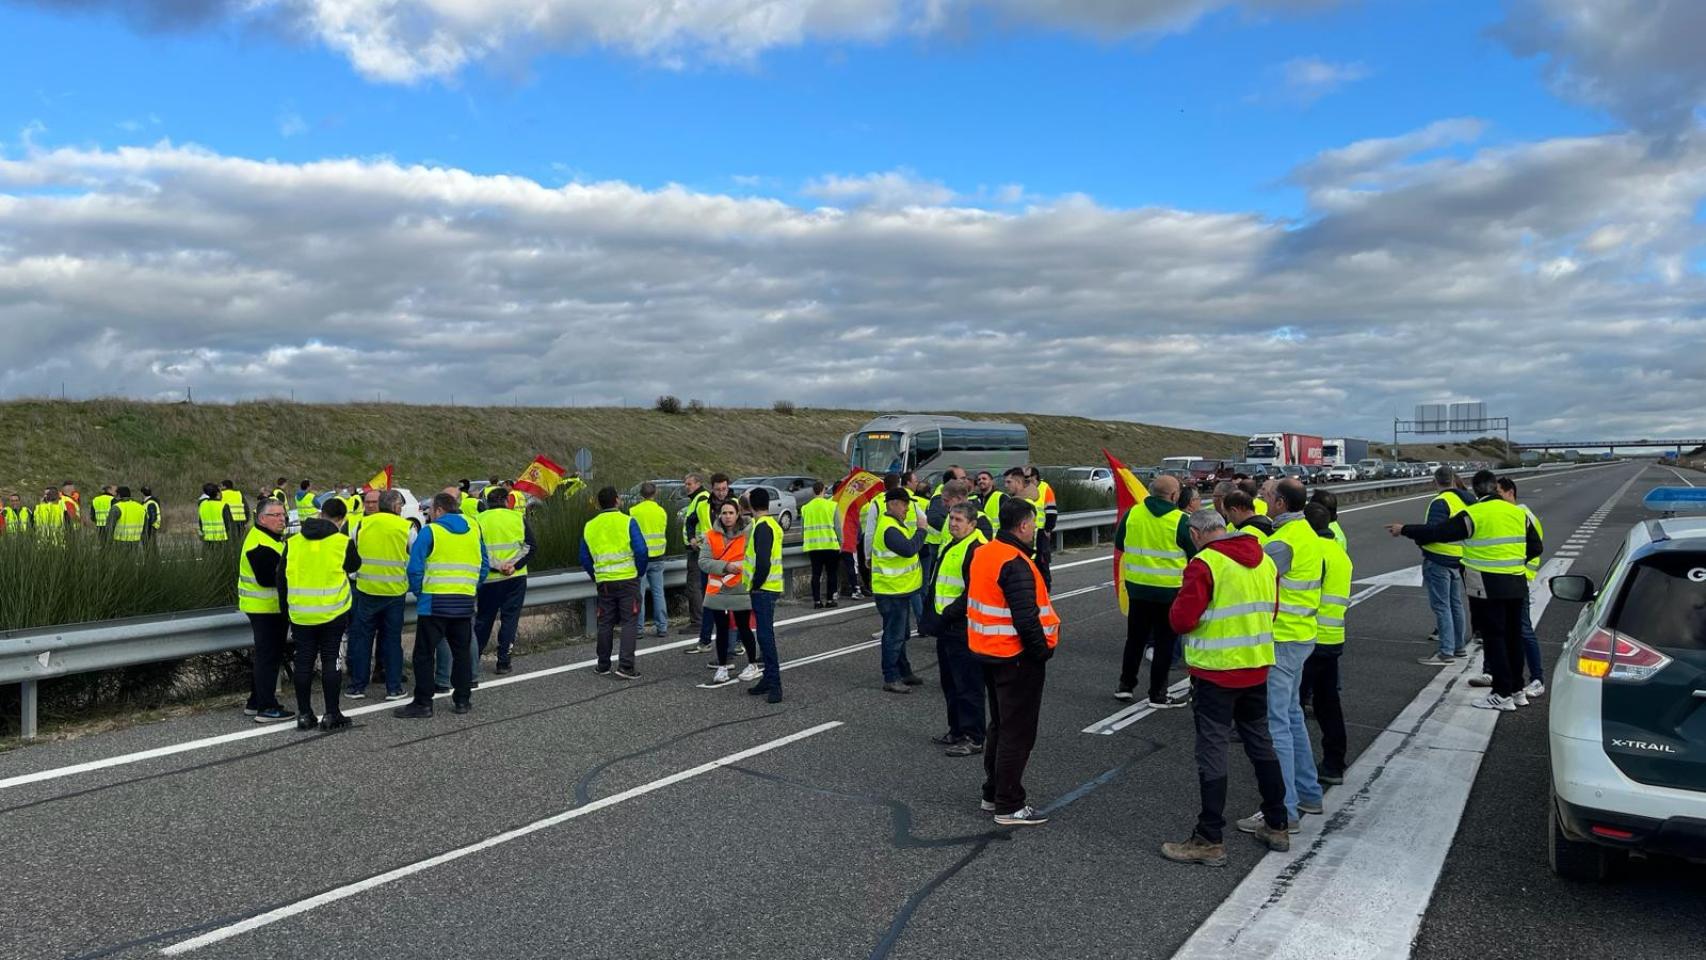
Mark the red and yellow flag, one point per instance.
(381, 480)
(1128, 493)
(858, 488)
(541, 478)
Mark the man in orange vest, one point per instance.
(1011, 626)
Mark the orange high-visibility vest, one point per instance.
(989, 621)
(729, 550)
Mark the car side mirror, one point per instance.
(1572, 588)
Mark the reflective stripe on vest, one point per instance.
(102, 505)
(17, 521)
(1453, 501)
(1499, 542)
(950, 584)
(1300, 587)
(131, 519)
(315, 583)
(48, 521)
(1150, 553)
(211, 512)
(728, 549)
(773, 581)
(453, 564)
(607, 539)
(251, 596)
(234, 500)
(819, 518)
(654, 526)
(1532, 565)
(989, 621)
(383, 542)
(892, 574)
(1335, 593)
(1236, 631)
(505, 533)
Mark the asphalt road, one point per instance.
(460, 836)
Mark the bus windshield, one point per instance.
(878, 452)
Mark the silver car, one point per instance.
(783, 506)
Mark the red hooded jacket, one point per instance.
(1192, 601)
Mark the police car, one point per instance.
(1627, 721)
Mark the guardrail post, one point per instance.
(590, 605)
(27, 711)
(1096, 537)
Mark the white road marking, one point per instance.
(1406, 577)
(389, 876)
(1679, 476)
(1360, 886)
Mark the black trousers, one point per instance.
(1015, 690)
(459, 633)
(325, 641)
(1500, 624)
(270, 630)
(1218, 709)
(825, 563)
(730, 623)
(961, 674)
(695, 591)
(1321, 673)
(1146, 624)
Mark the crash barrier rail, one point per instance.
(28, 657)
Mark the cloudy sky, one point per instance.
(1262, 215)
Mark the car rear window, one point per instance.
(1664, 601)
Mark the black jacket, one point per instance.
(1499, 586)
(265, 563)
(315, 528)
(763, 541)
(1019, 589)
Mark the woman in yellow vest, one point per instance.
(258, 569)
(314, 585)
(722, 558)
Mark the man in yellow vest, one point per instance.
(470, 502)
(100, 507)
(152, 514)
(305, 506)
(960, 673)
(896, 578)
(49, 521)
(761, 571)
(614, 555)
(1320, 686)
(1153, 542)
(127, 520)
(1241, 516)
(654, 524)
(1024, 483)
(447, 563)
(1442, 573)
(213, 518)
(509, 542)
(1225, 612)
(1530, 644)
(822, 545)
(1499, 540)
(15, 520)
(695, 519)
(381, 587)
(278, 491)
(258, 598)
(235, 503)
(314, 586)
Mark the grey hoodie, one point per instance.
(726, 598)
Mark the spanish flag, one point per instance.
(855, 490)
(381, 480)
(540, 479)
(1128, 493)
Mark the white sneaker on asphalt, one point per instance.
(1493, 701)
(752, 672)
(1519, 698)
(1481, 680)
(722, 676)
(1254, 820)
(1535, 689)
(1435, 660)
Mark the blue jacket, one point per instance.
(1438, 512)
(443, 604)
(636, 542)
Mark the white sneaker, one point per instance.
(1493, 701)
(1481, 680)
(722, 676)
(752, 672)
(1519, 698)
(1535, 689)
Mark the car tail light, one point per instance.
(1635, 661)
(1611, 833)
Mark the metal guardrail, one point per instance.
(29, 656)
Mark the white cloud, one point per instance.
(409, 42)
(896, 188)
(1544, 278)
(1640, 61)
(1308, 79)
(291, 124)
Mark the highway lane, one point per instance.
(861, 840)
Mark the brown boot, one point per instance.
(1278, 840)
(1196, 850)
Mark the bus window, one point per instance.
(877, 452)
(924, 446)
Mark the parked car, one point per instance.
(413, 510)
(1292, 471)
(1628, 750)
(1341, 473)
(800, 487)
(669, 491)
(1096, 478)
(783, 506)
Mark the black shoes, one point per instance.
(627, 673)
(414, 711)
(830, 604)
(334, 721)
(307, 721)
(945, 739)
(817, 604)
(462, 708)
(440, 689)
(758, 689)
(503, 668)
(912, 680)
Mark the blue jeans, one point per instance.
(1531, 645)
(1445, 598)
(896, 611)
(651, 585)
(764, 611)
(1285, 725)
(372, 617)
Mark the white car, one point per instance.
(1340, 473)
(1627, 721)
(413, 510)
(1100, 479)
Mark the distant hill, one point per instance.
(175, 447)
